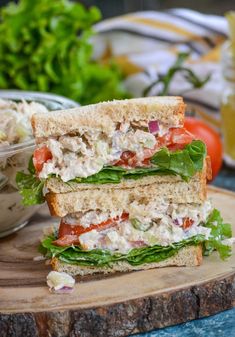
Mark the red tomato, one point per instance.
(41, 155)
(187, 223)
(128, 158)
(180, 136)
(67, 240)
(211, 138)
(69, 234)
(176, 139)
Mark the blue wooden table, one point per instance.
(220, 325)
(226, 179)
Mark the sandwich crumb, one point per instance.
(60, 283)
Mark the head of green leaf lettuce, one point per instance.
(46, 46)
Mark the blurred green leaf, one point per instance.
(220, 231)
(45, 46)
(166, 79)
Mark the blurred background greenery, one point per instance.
(45, 45)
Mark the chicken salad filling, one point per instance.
(15, 124)
(162, 224)
(15, 128)
(208, 230)
(105, 160)
(83, 155)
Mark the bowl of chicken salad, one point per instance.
(16, 148)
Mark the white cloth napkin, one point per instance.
(146, 44)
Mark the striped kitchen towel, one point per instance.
(146, 44)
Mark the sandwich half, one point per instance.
(141, 235)
(110, 229)
(125, 143)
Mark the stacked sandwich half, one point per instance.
(129, 184)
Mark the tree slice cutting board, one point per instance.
(116, 305)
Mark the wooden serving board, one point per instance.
(116, 305)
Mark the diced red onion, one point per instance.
(176, 222)
(64, 290)
(153, 127)
(137, 244)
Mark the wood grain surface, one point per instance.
(116, 305)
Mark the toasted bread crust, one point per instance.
(208, 168)
(190, 256)
(104, 116)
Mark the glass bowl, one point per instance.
(15, 158)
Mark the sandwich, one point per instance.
(140, 235)
(109, 230)
(125, 144)
(129, 185)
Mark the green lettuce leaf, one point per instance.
(30, 188)
(114, 174)
(102, 258)
(137, 256)
(54, 52)
(184, 162)
(31, 167)
(219, 232)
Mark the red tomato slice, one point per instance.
(181, 136)
(41, 155)
(187, 223)
(69, 234)
(128, 158)
(148, 153)
(176, 138)
(146, 162)
(67, 240)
